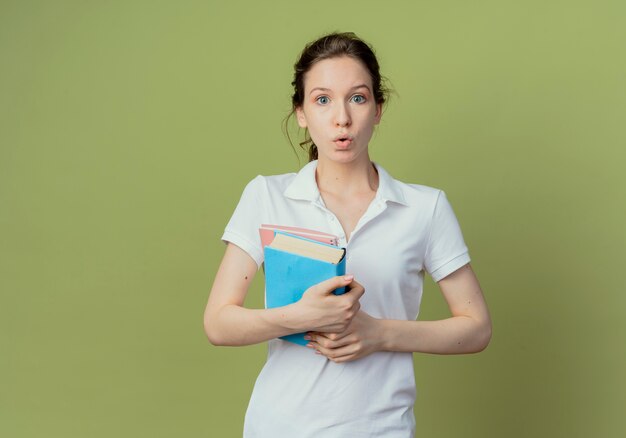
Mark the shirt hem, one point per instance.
(450, 266)
(245, 244)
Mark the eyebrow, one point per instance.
(351, 89)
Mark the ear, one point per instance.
(301, 117)
(379, 113)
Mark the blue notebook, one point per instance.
(289, 275)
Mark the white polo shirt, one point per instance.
(407, 230)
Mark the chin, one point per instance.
(342, 156)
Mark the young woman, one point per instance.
(356, 378)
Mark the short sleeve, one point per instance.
(446, 251)
(243, 227)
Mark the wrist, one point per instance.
(386, 330)
(279, 320)
(382, 331)
(290, 318)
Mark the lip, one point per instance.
(343, 144)
(344, 137)
(343, 141)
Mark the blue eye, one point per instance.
(323, 100)
(358, 98)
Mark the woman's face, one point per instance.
(339, 109)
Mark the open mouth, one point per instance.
(343, 141)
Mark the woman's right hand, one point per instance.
(321, 310)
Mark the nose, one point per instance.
(342, 115)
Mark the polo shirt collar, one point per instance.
(304, 187)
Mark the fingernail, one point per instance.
(348, 277)
(307, 337)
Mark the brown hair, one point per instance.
(332, 46)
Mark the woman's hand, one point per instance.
(323, 311)
(360, 338)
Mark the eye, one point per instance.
(323, 100)
(358, 98)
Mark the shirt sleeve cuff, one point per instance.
(450, 266)
(244, 243)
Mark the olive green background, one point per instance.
(128, 130)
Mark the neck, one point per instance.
(346, 178)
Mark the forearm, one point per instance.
(229, 323)
(455, 335)
(467, 331)
(235, 325)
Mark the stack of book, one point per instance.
(296, 259)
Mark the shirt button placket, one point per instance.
(336, 227)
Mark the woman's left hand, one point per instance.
(362, 337)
